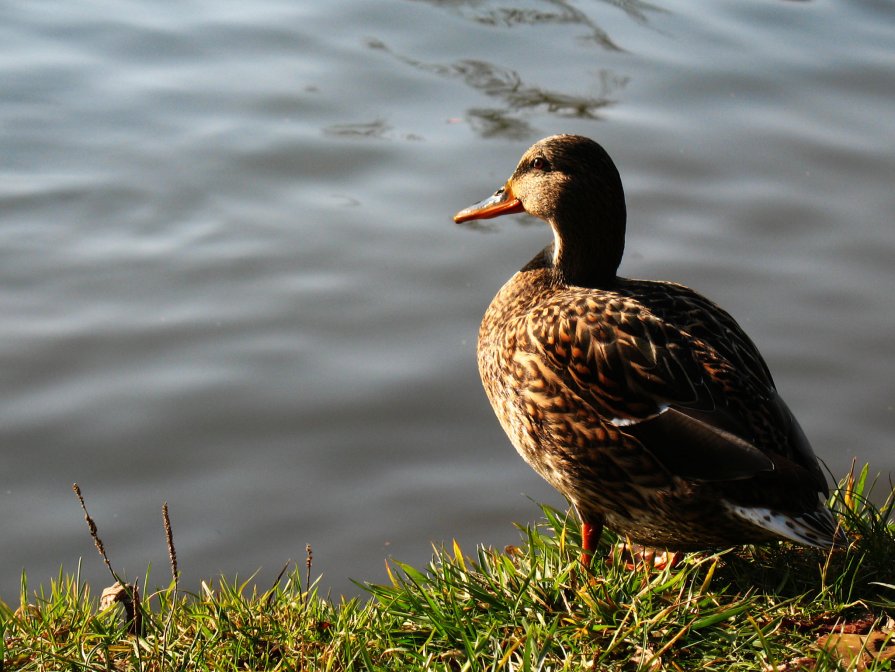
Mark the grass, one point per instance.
(528, 607)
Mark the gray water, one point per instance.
(230, 280)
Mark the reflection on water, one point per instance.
(374, 129)
(231, 282)
(558, 13)
(495, 122)
(546, 12)
(508, 86)
(514, 95)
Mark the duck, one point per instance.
(642, 402)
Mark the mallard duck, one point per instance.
(645, 404)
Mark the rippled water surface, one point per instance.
(230, 280)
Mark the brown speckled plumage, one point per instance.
(643, 402)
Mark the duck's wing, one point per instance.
(705, 412)
(700, 318)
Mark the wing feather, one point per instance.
(694, 392)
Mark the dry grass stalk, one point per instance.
(93, 533)
(308, 564)
(127, 594)
(169, 540)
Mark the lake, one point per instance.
(230, 279)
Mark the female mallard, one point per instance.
(642, 402)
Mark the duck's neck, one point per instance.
(587, 263)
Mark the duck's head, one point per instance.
(570, 182)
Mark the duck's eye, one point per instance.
(540, 163)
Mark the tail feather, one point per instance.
(816, 528)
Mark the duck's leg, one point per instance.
(590, 537)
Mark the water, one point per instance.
(230, 280)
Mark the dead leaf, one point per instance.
(832, 622)
(129, 597)
(859, 651)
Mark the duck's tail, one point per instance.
(816, 528)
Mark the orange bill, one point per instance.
(501, 203)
